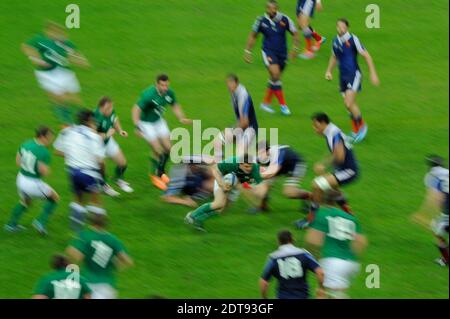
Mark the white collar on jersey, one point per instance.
(275, 19)
(345, 37)
(330, 129)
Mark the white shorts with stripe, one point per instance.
(154, 130)
(29, 187)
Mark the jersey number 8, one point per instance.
(290, 267)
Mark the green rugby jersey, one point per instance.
(104, 123)
(153, 105)
(31, 153)
(61, 284)
(231, 165)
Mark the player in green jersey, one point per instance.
(101, 254)
(147, 115)
(107, 125)
(246, 172)
(52, 54)
(65, 282)
(338, 235)
(33, 158)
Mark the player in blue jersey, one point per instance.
(305, 12)
(273, 25)
(436, 203)
(289, 265)
(342, 160)
(346, 47)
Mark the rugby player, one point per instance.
(305, 12)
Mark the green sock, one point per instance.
(17, 212)
(47, 210)
(63, 113)
(153, 165)
(203, 213)
(120, 170)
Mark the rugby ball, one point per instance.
(230, 179)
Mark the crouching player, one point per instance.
(245, 170)
(338, 235)
(84, 152)
(107, 125)
(33, 158)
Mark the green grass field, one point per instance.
(197, 43)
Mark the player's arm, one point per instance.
(74, 255)
(295, 39)
(124, 260)
(178, 200)
(118, 128)
(264, 288)
(331, 65)
(271, 171)
(33, 54)
(265, 277)
(243, 112)
(314, 240)
(77, 58)
(43, 169)
(178, 111)
(18, 159)
(248, 48)
(371, 65)
(320, 275)
(218, 177)
(359, 243)
(339, 153)
(320, 167)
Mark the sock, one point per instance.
(359, 122)
(354, 125)
(17, 212)
(47, 210)
(315, 35)
(307, 33)
(95, 210)
(77, 216)
(342, 202)
(278, 91)
(203, 213)
(120, 171)
(269, 94)
(443, 248)
(162, 163)
(153, 165)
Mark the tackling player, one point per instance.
(273, 25)
(305, 11)
(62, 283)
(147, 115)
(33, 158)
(346, 47)
(84, 152)
(338, 236)
(246, 171)
(289, 265)
(52, 55)
(343, 161)
(107, 125)
(101, 254)
(436, 200)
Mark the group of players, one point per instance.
(330, 223)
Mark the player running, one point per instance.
(346, 47)
(33, 158)
(282, 160)
(289, 265)
(52, 54)
(436, 200)
(245, 116)
(107, 125)
(84, 152)
(343, 161)
(147, 115)
(305, 12)
(62, 283)
(338, 236)
(101, 254)
(273, 25)
(245, 170)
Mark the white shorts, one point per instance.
(232, 195)
(338, 272)
(154, 130)
(112, 148)
(58, 81)
(29, 187)
(102, 291)
(439, 225)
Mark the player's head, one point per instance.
(59, 262)
(105, 105)
(246, 163)
(272, 8)
(55, 31)
(162, 83)
(285, 237)
(342, 25)
(320, 122)
(232, 82)
(87, 118)
(263, 152)
(98, 220)
(434, 160)
(45, 135)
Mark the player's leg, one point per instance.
(359, 128)
(165, 156)
(439, 227)
(303, 22)
(275, 71)
(21, 207)
(268, 59)
(338, 276)
(116, 154)
(291, 187)
(51, 202)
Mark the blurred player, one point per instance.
(246, 171)
(84, 152)
(101, 254)
(436, 202)
(147, 115)
(107, 125)
(52, 55)
(33, 158)
(190, 182)
(289, 265)
(305, 12)
(273, 25)
(345, 50)
(343, 161)
(282, 160)
(245, 116)
(62, 283)
(338, 235)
